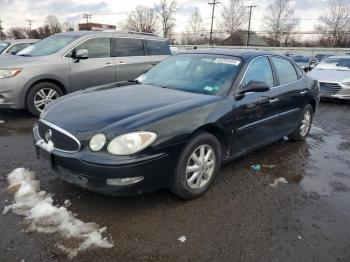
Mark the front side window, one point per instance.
(128, 47)
(259, 70)
(285, 70)
(158, 47)
(97, 47)
(3, 46)
(48, 46)
(196, 73)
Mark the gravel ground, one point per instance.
(241, 218)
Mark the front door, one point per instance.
(98, 69)
(256, 115)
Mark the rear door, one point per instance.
(98, 69)
(256, 114)
(131, 59)
(291, 93)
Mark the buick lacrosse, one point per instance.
(177, 123)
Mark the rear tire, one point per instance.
(197, 166)
(40, 95)
(304, 126)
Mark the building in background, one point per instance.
(240, 38)
(96, 27)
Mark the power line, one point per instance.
(214, 3)
(250, 18)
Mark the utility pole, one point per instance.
(214, 3)
(250, 18)
(87, 17)
(30, 24)
(1, 34)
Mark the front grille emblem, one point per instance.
(48, 135)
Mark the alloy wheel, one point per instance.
(43, 97)
(305, 123)
(200, 167)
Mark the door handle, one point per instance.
(109, 65)
(275, 100)
(303, 92)
(122, 63)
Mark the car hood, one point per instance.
(9, 61)
(121, 109)
(329, 75)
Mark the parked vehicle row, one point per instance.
(67, 62)
(174, 125)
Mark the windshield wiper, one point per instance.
(135, 81)
(25, 55)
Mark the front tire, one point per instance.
(40, 95)
(304, 126)
(197, 166)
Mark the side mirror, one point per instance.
(81, 54)
(254, 86)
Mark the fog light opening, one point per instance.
(123, 181)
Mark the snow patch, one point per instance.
(2, 122)
(182, 239)
(49, 146)
(42, 216)
(277, 181)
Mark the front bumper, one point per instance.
(91, 170)
(334, 90)
(11, 93)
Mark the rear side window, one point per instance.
(16, 48)
(285, 70)
(97, 47)
(158, 47)
(128, 47)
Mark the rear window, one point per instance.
(158, 47)
(285, 70)
(128, 47)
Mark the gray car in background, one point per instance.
(66, 62)
(12, 47)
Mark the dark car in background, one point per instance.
(174, 126)
(67, 62)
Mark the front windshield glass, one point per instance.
(335, 63)
(48, 46)
(3, 46)
(196, 73)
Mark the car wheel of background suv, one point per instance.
(40, 95)
(197, 166)
(304, 126)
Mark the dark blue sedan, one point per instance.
(173, 126)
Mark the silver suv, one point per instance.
(66, 62)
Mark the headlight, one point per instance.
(97, 142)
(131, 143)
(7, 73)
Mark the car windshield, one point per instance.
(3, 46)
(48, 46)
(301, 59)
(335, 63)
(196, 73)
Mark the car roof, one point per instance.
(243, 53)
(115, 33)
(19, 41)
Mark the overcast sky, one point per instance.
(15, 12)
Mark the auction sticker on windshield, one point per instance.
(227, 61)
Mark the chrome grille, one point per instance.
(62, 140)
(329, 88)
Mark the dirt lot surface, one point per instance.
(241, 218)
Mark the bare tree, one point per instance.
(280, 22)
(334, 24)
(166, 10)
(17, 32)
(141, 19)
(53, 23)
(234, 16)
(195, 26)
